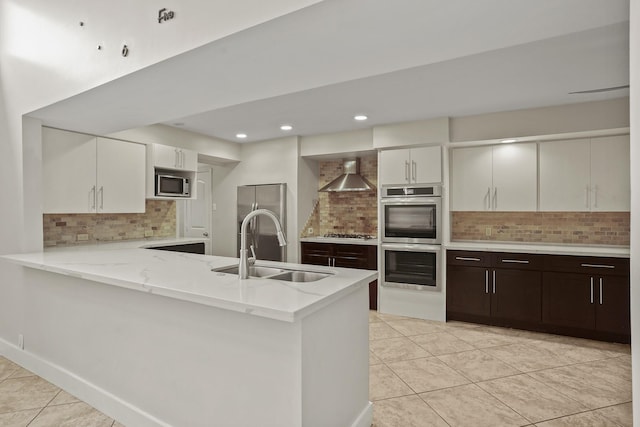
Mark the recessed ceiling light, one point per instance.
(241, 135)
(360, 117)
(507, 141)
(178, 124)
(286, 127)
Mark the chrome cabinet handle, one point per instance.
(597, 265)
(488, 197)
(592, 290)
(406, 170)
(601, 291)
(176, 160)
(205, 234)
(486, 281)
(595, 196)
(101, 197)
(586, 196)
(495, 198)
(92, 198)
(464, 258)
(515, 261)
(414, 169)
(494, 281)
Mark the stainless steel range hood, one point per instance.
(350, 180)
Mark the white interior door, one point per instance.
(197, 213)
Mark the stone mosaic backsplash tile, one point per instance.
(159, 220)
(584, 228)
(354, 212)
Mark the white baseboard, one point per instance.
(365, 419)
(100, 399)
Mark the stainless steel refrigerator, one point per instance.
(261, 232)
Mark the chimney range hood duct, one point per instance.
(350, 180)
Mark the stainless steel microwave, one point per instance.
(172, 186)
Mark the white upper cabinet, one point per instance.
(610, 175)
(515, 177)
(168, 157)
(68, 172)
(85, 174)
(495, 178)
(585, 174)
(120, 176)
(421, 165)
(472, 178)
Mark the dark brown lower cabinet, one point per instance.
(516, 295)
(581, 301)
(467, 291)
(503, 290)
(571, 295)
(344, 255)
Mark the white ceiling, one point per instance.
(391, 60)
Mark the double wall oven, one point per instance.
(411, 236)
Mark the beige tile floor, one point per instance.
(424, 374)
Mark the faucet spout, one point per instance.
(243, 267)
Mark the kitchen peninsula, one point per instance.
(156, 338)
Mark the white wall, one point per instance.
(210, 150)
(268, 162)
(334, 145)
(635, 202)
(585, 116)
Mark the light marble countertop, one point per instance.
(342, 240)
(604, 251)
(188, 277)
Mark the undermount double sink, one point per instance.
(276, 273)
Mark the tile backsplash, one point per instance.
(353, 212)
(159, 220)
(585, 228)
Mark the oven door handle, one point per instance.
(410, 247)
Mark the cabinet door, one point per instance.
(165, 156)
(515, 177)
(120, 176)
(612, 305)
(568, 300)
(395, 167)
(516, 295)
(189, 160)
(564, 175)
(610, 182)
(426, 165)
(471, 179)
(69, 171)
(468, 290)
(315, 253)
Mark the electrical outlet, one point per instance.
(487, 231)
(82, 237)
(310, 230)
(148, 233)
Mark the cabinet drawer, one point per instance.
(470, 258)
(316, 248)
(601, 266)
(518, 261)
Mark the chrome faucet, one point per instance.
(243, 267)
